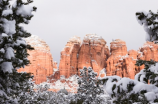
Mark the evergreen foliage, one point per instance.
(89, 90)
(150, 22)
(13, 51)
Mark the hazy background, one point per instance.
(58, 20)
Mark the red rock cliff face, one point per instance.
(56, 72)
(121, 62)
(93, 53)
(118, 47)
(68, 60)
(148, 51)
(41, 60)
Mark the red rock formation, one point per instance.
(124, 66)
(106, 53)
(148, 51)
(93, 53)
(41, 60)
(56, 73)
(133, 54)
(120, 63)
(68, 59)
(118, 47)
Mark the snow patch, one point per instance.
(25, 10)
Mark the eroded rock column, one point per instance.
(93, 53)
(68, 60)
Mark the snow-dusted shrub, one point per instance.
(89, 90)
(13, 51)
(43, 96)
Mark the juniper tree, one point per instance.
(13, 50)
(89, 90)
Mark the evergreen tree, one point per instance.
(150, 22)
(89, 91)
(13, 51)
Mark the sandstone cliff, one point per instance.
(118, 47)
(93, 53)
(122, 64)
(68, 60)
(148, 51)
(41, 60)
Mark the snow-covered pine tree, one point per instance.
(144, 89)
(13, 51)
(150, 22)
(89, 90)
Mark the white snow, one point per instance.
(21, 42)
(150, 96)
(25, 10)
(141, 86)
(2, 50)
(70, 83)
(7, 12)
(55, 69)
(9, 26)
(9, 53)
(4, 35)
(147, 45)
(93, 39)
(103, 71)
(75, 39)
(7, 67)
(37, 43)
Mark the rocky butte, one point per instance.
(122, 63)
(91, 52)
(41, 60)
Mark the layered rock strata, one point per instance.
(41, 60)
(122, 63)
(68, 61)
(148, 51)
(56, 73)
(93, 53)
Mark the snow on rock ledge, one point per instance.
(93, 39)
(37, 43)
(41, 60)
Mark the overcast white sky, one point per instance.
(58, 20)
